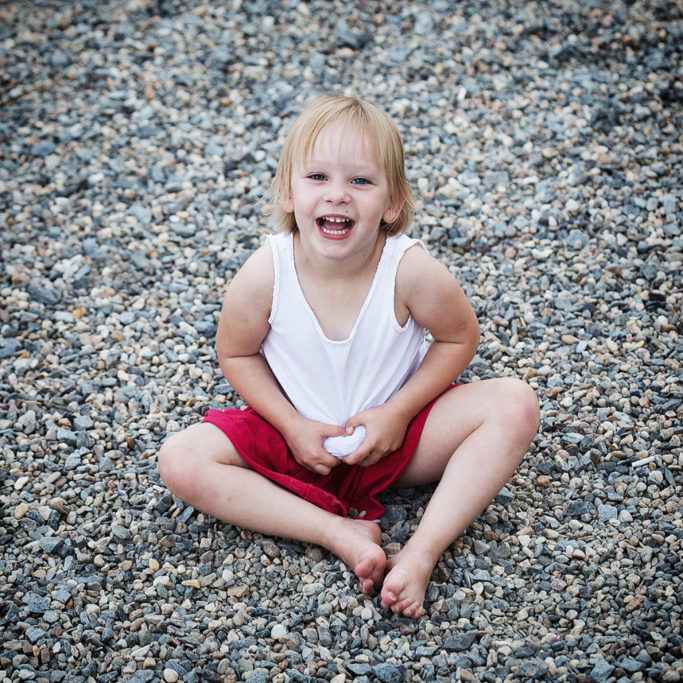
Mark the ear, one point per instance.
(287, 204)
(393, 211)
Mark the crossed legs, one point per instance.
(474, 438)
(202, 468)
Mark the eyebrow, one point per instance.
(370, 168)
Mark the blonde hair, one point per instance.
(379, 132)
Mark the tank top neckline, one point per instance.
(366, 302)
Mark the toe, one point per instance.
(367, 586)
(388, 599)
(363, 569)
(406, 607)
(370, 571)
(394, 585)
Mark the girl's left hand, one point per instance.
(385, 431)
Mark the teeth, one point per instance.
(333, 232)
(326, 222)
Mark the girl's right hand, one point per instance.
(305, 439)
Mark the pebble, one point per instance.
(278, 632)
(21, 510)
(129, 198)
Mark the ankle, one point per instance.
(332, 535)
(425, 551)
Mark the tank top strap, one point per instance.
(387, 269)
(282, 246)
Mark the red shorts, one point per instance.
(345, 488)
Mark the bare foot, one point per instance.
(406, 583)
(357, 543)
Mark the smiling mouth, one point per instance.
(334, 226)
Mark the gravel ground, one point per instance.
(136, 140)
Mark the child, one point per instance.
(322, 334)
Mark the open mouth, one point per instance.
(335, 226)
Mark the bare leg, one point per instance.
(201, 467)
(474, 438)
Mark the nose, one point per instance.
(336, 193)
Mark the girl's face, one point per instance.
(340, 195)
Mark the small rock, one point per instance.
(388, 672)
(44, 294)
(170, 676)
(607, 512)
(8, 347)
(480, 547)
(21, 482)
(460, 642)
(601, 671)
(278, 631)
(21, 510)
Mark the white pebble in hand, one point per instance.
(341, 446)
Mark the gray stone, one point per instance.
(496, 177)
(37, 604)
(34, 634)
(601, 670)
(460, 641)
(120, 532)
(8, 347)
(389, 673)
(43, 293)
(83, 422)
(607, 512)
(50, 544)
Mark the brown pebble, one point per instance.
(21, 510)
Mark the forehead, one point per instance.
(341, 140)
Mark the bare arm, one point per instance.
(427, 291)
(242, 327)
(437, 302)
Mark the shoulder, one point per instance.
(253, 282)
(246, 308)
(428, 290)
(399, 244)
(416, 265)
(258, 270)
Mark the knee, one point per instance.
(519, 405)
(174, 464)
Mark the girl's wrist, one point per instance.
(402, 411)
(289, 425)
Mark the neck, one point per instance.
(356, 265)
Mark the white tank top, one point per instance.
(328, 380)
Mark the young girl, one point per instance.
(322, 333)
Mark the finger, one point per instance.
(336, 430)
(323, 463)
(353, 421)
(370, 459)
(358, 456)
(333, 464)
(327, 461)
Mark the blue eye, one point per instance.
(360, 181)
(316, 176)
